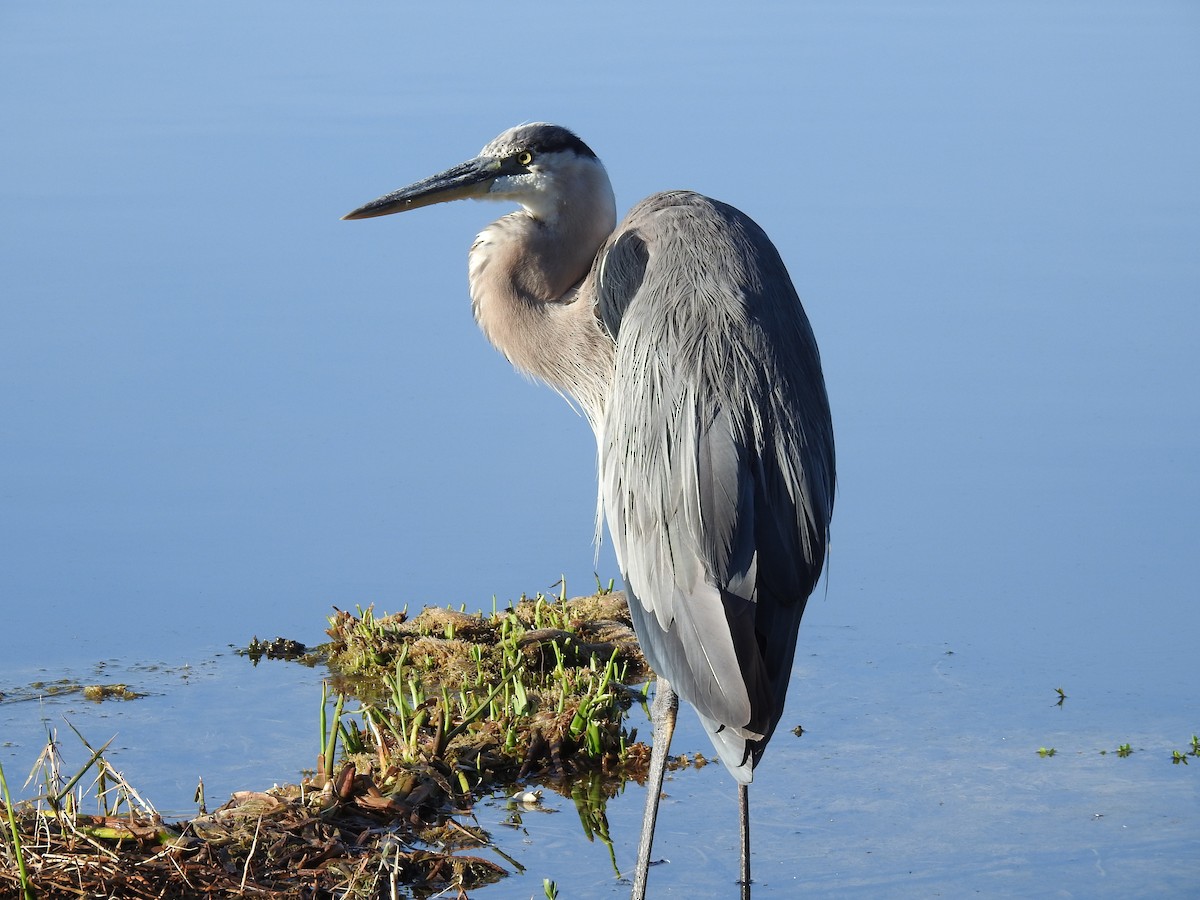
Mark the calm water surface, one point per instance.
(223, 411)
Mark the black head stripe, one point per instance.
(551, 139)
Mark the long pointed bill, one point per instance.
(470, 179)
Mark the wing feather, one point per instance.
(716, 458)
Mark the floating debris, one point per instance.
(70, 687)
(279, 648)
(99, 692)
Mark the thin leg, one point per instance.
(662, 713)
(744, 816)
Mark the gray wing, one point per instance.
(716, 458)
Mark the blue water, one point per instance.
(223, 411)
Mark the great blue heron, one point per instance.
(680, 336)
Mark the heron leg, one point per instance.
(744, 817)
(662, 713)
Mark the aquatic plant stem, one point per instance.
(250, 855)
(54, 798)
(330, 737)
(26, 886)
(486, 702)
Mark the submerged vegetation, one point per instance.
(418, 720)
(68, 687)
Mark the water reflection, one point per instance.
(588, 792)
(590, 795)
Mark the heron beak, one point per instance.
(470, 179)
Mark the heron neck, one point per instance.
(531, 300)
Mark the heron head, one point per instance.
(538, 166)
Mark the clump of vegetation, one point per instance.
(280, 648)
(1178, 757)
(66, 687)
(99, 692)
(536, 690)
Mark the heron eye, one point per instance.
(524, 157)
